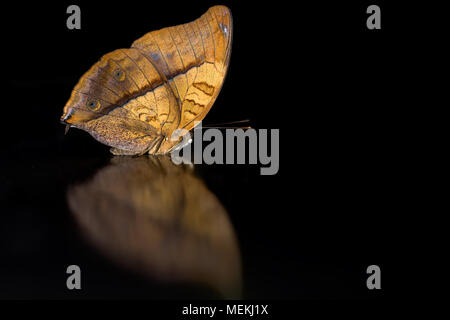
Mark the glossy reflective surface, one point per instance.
(148, 229)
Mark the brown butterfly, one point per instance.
(134, 99)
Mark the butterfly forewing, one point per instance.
(167, 80)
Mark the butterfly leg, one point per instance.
(158, 146)
(156, 142)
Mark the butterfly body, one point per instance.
(134, 99)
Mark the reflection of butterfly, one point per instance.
(134, 99)
(159, 219)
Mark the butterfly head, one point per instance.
(80, 109)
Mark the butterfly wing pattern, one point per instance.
(134, 99)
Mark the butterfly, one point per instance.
(135, 99)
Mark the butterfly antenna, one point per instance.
(243, 128)
(231, 122)
(222, 125)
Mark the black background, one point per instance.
(334, 89)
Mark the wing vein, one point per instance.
(145, 76)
